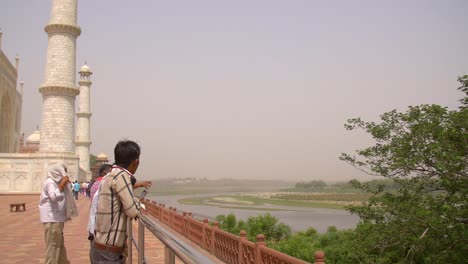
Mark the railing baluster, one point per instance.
(129, 240)
(169, 257)
(242, 237)
(141, 242)
(260, 243)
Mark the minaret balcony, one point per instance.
(59, 90)
(74, 30)
(85, 82)
(84, 114)
(82, 143)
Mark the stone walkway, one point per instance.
(22, 237)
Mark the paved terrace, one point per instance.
(22, 236)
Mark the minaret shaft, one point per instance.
(59, 88)
(83, 116)
(64, 12)
(61, 65)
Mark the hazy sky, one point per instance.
(247, 88)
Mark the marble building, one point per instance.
(10, 104)
(57, 141)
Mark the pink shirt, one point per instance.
(95, 187)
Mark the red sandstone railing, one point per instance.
(173, 246)
(225, 246)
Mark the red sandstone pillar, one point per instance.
(165, 215)
(260, 243)
(189, 220)
(205, 226)
(170, 217)
(213, 236)
(185, 225)
(154, 208)
(160, 211)
(242, 238)
(173, 212)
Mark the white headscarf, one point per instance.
(56, 173)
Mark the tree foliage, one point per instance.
(92, 160)
(301, 245)
(266, 224)
(424, 150)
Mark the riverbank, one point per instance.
(288, 199)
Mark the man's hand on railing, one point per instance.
(143, 209)
(146, 184)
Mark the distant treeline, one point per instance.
(191, 185)
(311, 184)
(320, 186)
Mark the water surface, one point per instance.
(298, 218)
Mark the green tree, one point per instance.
(301, 245)
(300, 185)
(266, 224)
(228, 223)
(92, 160)
(424, 152)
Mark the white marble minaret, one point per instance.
(25, 172)
(59, 89)
(83, 116)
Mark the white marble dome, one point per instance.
(85, 68)
(34, 138)
(102, 156)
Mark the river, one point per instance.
(298, 218)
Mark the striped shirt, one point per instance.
(52, 204)
(116, 202)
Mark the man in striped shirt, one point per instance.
(116, 203)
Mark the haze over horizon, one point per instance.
(247, 89)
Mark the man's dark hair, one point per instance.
(125, 152)
(104, 169)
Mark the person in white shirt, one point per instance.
(56, 206)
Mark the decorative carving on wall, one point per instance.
(21, 182)
(21, 167)
(5, 181)
(36, 181)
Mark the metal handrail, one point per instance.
(131, 240)
(173, 245)
(184, 251)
